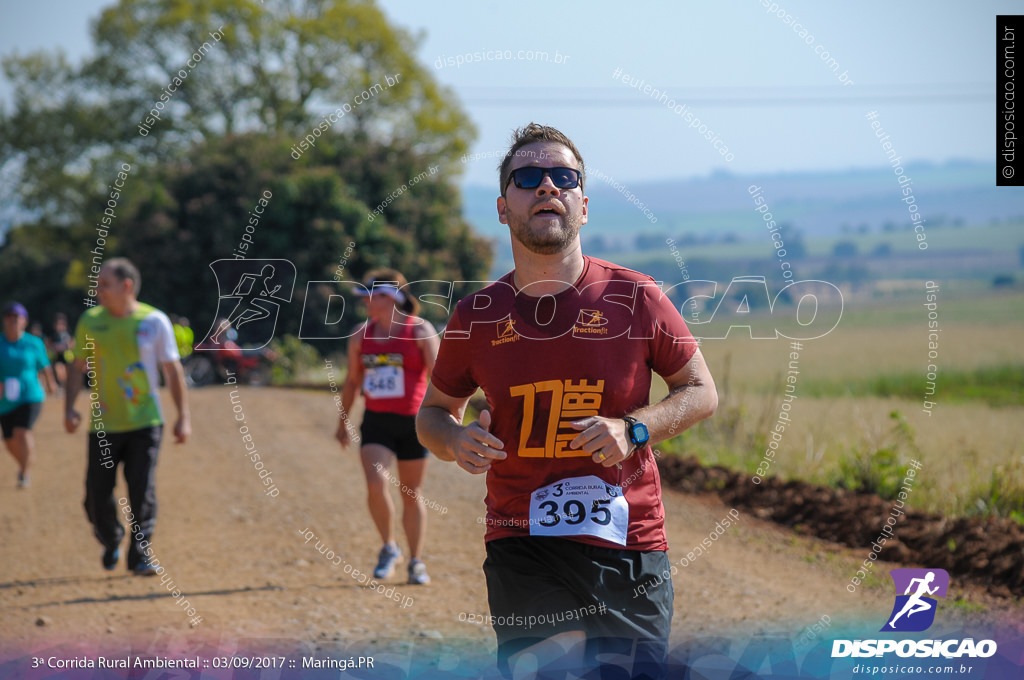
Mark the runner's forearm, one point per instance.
(176, 381)
(683, 408)
(349, 392)
(437, 427)
(74, 384)
(48, 380)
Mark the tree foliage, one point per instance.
(265, 77)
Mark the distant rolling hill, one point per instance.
(818, 203)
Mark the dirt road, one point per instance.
(239, 556)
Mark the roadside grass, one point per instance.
(994, 385)
(858, 419)
(971, 453)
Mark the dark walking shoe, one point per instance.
(144, 567)
(111, 555)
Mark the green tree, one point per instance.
(258, 78)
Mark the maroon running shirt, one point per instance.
(546, 361)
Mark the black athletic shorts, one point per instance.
(394, 431)
(539, 586)
(24, 416)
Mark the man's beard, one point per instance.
(550, 241)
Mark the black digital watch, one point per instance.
(636, 431)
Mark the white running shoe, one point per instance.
(418, 573)
(386, 560)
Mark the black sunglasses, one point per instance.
(531, 176)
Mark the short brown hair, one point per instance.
(532, 134)
(122, 268)
(411, 306)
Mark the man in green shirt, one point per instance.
(120, 346)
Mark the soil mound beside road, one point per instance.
(988, 552)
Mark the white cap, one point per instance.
(386, 289)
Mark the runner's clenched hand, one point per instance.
(475, 447)
(604, 439)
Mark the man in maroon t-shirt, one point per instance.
(564, 347)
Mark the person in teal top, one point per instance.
(121, 347)
(23, 363)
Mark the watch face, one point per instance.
(640, 433)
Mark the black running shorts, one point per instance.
(393, 431)
(24, 416)
(540, 586)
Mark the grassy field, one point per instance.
(1000, 237)
(976, 329)
(859, 416)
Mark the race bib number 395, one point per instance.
(580, 506)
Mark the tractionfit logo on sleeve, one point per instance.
(914, 610)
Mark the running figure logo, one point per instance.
(914, 610)
(258, 288)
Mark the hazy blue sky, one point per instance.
(926, 67)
